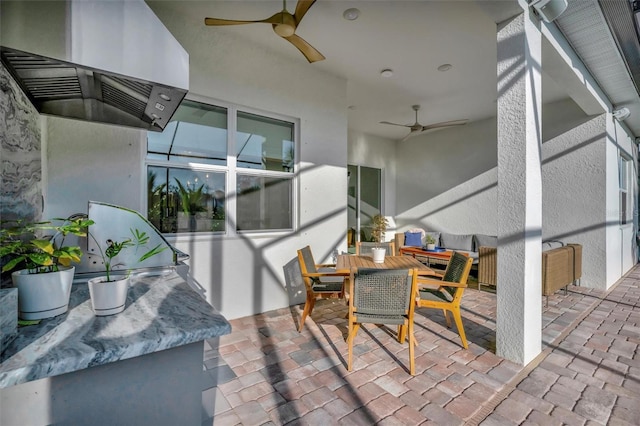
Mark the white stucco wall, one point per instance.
(446, 179)
(573, 178)
(92, 161)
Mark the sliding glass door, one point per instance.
(364, 202)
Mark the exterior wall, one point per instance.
(573, 182)
(92, 161)
(446, 179)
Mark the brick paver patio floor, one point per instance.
(265, 372)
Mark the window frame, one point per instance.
(624, 181)
(232, 171)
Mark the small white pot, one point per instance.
(108, 297)
(378, 254)
(431, 246)
(43, 295)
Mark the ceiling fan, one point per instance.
(418, 128)
(284, 24)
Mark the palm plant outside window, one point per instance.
(195, 173)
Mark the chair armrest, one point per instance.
(326, 274)
(326, 265)
(439, 283)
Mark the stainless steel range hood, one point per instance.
(105, 61)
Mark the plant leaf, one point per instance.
(12, 263)
(44, 245)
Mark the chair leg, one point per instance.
(353, 329)
(412, 355)
(308, 307)
(446, 318)
(458, 319)
(402, 333)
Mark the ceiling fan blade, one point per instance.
(395, 124)
(301, 9)
(305, 48)
(444, 124)
(275, 19)
(410, 135)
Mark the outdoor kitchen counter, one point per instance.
(162, 312)
(141, 366)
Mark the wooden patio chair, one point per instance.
(321, 281)
(382, 296)
(364, 248)
(446, 293)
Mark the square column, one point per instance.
(519, 293)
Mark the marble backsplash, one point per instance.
(20, 153)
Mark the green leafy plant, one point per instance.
(429, 239)
(25, 244)
(379, 226)
(191, 199)
(114, 248)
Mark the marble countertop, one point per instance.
(162, 312)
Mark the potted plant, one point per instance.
(431, 242)
(44, 282)
(109, 293)
(379, 225)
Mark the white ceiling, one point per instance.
(412, 38)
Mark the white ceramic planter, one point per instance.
(108, 298)
(43, 295)
(431, 246)
(378, 254)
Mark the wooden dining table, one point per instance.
(346, 262)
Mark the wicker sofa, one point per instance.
(561, 265)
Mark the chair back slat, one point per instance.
(382, 291)
(364, 248)
(456, 270)
(308, 262)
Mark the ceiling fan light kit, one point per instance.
(418, 128)
(284, 24)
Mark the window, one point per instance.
(625, 195)
(191, 175)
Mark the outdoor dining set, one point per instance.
(386, 292)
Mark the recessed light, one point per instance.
(386, 72)
(445, 67)
(351, 14)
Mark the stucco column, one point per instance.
(519, 316)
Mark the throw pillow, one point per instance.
(413, 239)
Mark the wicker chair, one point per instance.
(446, 294)
(382, 296)
(364, 248)
(320, 280)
